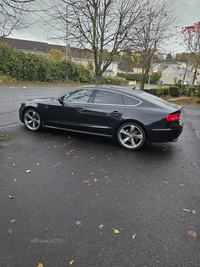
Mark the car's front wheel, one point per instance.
(32, 120)
(131, 136)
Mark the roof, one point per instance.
(179, 70)
(124, 66)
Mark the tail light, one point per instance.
(173, 117)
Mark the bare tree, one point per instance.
(157, 23)
(96, 25)
(13, 14)
(191, 40)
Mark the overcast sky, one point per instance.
(188, 10)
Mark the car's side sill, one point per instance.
(78, 131)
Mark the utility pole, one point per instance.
(66, 37)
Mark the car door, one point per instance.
(104, 114)
(70, 113)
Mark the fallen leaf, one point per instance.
(107, 156)
(134, 236)
(192, 142)
(164, 179)
(10, 231)
(55, 146)
(197, 168)
(67, 153)
(91, 173)
(38, 163)
(101, 226)
(53, 142)
(115, 231)
(27, 171)
(15, 180)
(100, 233)
(9, 158)
(55, 166)
(127, 182)
(163, 149)
(92, 157)
(40, 265)
(106, 176)
(69, 136)
(72, 173)
(11, 197)
(78, 222)
(97, 195)
(165, 182)
(179, 150)
(95, 180)
(194, 164)
(101, 169)
(71, 262)
(88, 184)
(121, 228)
(181, 185)
(72, 150)
(13, 164)
(86, 181)
(12, 220)
(192, 233)
(186, 210)
(193, 211)
(193, 129)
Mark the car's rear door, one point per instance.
(104, 114)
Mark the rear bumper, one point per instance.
(165, 135)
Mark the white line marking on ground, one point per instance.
(10, 126)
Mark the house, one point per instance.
(76, 55)
(159, 66)
(173, 73)
(124, 67)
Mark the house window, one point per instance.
(110, 67)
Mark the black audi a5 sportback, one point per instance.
(131, 116)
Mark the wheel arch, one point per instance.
(134, 121)
(30, 107)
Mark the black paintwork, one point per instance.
(102, 119)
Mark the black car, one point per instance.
(131, 116)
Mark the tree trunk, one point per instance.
(195, 73)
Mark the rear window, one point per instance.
(130, 101)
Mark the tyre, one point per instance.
(32, 120)
(131, 136)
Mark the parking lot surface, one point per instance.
(63, 195)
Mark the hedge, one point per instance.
(174, 91)
(137, 77)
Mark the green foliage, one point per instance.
(174, 91)
(136, 77)
(36, 68)
(112, 81)
(191, 91)
(154, 91)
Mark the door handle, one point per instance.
(80, 110)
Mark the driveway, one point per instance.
(63, 195)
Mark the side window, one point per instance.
(79, 96)
(130, 101)
(106, 97)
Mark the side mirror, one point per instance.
(60, 99)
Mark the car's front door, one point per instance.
(70, 113)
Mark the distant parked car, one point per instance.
(129, 115)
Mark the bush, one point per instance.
(111, 81)
(180, 86)
(154, 91)
(137, 76)
(174, 91)
(191, 91)
(165, 90)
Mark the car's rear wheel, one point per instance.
(131, 136)
(32, 120)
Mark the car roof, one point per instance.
(126, 90)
